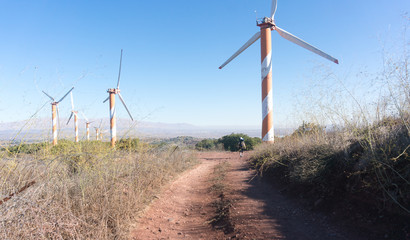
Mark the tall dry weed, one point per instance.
(84, 193)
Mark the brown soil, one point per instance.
(186, 207)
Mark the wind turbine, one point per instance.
(87, 126)
(112, 92)
(75, 113)
(102, 132)
(266, 25)
(54, 113)
(97, 131)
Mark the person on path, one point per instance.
(242, 146)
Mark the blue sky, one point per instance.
(172, 51)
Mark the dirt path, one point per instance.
(257, 211)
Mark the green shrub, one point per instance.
(27, 148)
(231, 142)
(207, 144)
(128, 144)
(65, 147)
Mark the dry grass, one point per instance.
(83, 193)
(374, 167)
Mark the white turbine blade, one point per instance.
(52, 99)
(273, 9)
(122, 100)
(71, 115)
(86, 119)
(106, 99)
(119, 72)
(305, 45)
(66, 94)
(72, 101)
(100, 124)
(243, 48)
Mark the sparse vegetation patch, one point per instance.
(221, 220)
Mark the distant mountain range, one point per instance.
(39, 129)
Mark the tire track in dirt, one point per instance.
(184, 208)
(259, 211)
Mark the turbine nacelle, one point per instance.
(265, 20)
(114, 90)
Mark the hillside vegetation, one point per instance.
(329, 165)
(81, 190)
(369, 172)
(358, 164)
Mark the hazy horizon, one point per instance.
(40, 129)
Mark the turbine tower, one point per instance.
(97, 131)
(112, 92)
(75, 113)
(54, 113)
(87, 126)
(266, 25)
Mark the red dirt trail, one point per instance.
(257, 210)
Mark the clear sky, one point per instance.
(172, 51)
